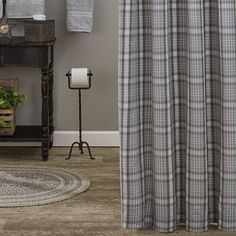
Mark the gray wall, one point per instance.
(97, 51)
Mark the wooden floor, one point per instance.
(95, 212)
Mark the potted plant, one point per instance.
(9, 100)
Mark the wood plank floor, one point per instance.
(95, 212)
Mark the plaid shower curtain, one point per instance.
(177, 86)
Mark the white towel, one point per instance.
(23, 8)
(80, 15)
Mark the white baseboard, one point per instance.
(66, 138)
(94, 138)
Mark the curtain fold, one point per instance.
(177, 102)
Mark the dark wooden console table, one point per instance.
(38, 55)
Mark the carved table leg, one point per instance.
(45, 113)
(51, 123)
(51, 82)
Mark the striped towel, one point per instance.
(24, 8)
(79, 15)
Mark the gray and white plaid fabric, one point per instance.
(177, 86)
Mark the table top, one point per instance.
(20, 42)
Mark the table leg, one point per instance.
(45, 113)
(51, 121)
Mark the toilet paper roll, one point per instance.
(79, 78)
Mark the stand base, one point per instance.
(81, 149)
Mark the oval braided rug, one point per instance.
(34, 186)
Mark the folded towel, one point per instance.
(23, 8)
(80, 15)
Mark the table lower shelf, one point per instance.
(27, 134)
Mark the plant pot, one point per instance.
(8, 116)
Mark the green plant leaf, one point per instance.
(10, 99)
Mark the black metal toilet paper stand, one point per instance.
(80, 143)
